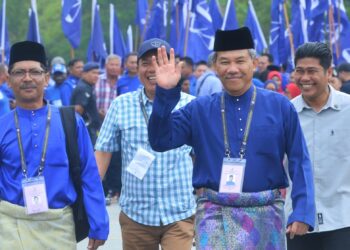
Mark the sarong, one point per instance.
(244, 221)
(53, 229)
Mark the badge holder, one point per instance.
(34, 194)
(232, 175)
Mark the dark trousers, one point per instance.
(330, 240)
(112, 181)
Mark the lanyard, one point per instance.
(247, 127)
(43, 154)
(143, 108)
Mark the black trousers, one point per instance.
(330, 240)
(113, 178)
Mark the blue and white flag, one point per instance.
(157, 24)
(4, 36)
(215, 13)
(299, 22)
(71, 21)
(316, 23)
(230, 19)
(97, 48)
(279, 39)
(141, 15)
(253, 24)
(340, 35)
(33, 25)
(200, 33)
(117, 44)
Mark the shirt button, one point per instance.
(35, 146)
(34, 124)
(237, 100)
(35, 134)
(239, 108)
(240, 119)
(241, 129)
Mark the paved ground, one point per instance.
(114, 239)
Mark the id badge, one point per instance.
(141, 163)
(34, 194)
(232, 175)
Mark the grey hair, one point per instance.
(252, 53)
(113, 56)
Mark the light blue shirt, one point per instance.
(327, 135)
(164, 195)
(208, 84)
(59, 186)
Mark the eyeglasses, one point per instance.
(21, 73)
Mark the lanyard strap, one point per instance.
(43, 154)
(143, 108)
(247, 127)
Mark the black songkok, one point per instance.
(27, 51)
(233, 39)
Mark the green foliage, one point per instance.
(49, 12)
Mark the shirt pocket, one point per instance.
(338, 143)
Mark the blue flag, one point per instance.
(316, 24)
(230, 20)
(4, 36)
(279, 40)
(215, 14)
(97, 47)
(178, 17)
(117, 43)
(340, 33)
(141, 15)
(299, 22)
(253, 24)
(156, 27)
(33, 25)
(71, 21)
(200, 33)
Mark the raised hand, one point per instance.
(168, 73)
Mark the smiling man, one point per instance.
(157, 204)
(36, 188)
(243, 131)
(325, 116)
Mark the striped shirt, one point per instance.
(164, 195)
(105, 94)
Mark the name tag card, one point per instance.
(232, 175)
(141, 163)
(34, 194)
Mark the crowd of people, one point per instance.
(234, 152)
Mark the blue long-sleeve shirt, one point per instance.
(275, 131)
(59, 186)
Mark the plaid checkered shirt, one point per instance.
(164, 195)
(105, 94)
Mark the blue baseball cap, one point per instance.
(58, 68)
(152, 44)
(90, 66)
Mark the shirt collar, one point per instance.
(332, 101)
(246, 96)
(29, 112)
(145, 99)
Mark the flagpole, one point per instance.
(111, 28)
(187, 26)
(331, 28)
(290, 35)
(3, 31)
(72, 56)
